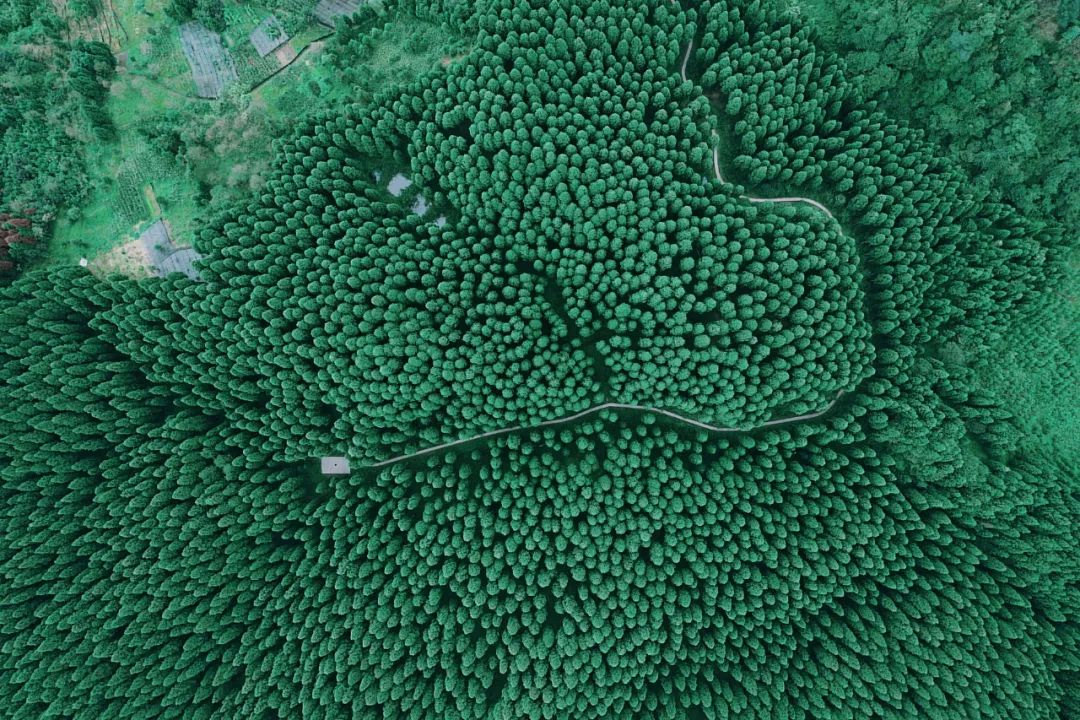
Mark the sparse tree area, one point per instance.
(54, 100)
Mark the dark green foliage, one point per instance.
(210, 13)
(181, 10)
(995, 84)
(83, 9)
(19, 242)
(92, 69)
(1068, 12)
(169, 549)
(18, 14)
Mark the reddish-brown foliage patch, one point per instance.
(13, 229)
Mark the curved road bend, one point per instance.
(686, 58)
(806, 201)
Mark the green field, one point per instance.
(229, 138)
(195, 151)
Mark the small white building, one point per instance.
(334, 465)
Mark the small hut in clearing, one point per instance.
(334, 465)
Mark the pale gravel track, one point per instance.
(716, 163)
(716, 157)
(686, 58)
(609, 406)
(806, 201)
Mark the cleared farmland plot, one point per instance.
(328, 11)
(268, 36)
(212, 67)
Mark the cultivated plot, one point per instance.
(268, 36)
(328, 11)
(211, 66)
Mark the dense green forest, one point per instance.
(703, 209)
(995, 84)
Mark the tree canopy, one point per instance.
(170, 550)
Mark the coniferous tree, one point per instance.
(598, 229)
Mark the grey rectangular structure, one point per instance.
(268, 36)
(164, 256)
(334, 465)
(211, 65)
(157, 243)
(328, 11)
(181, 261)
